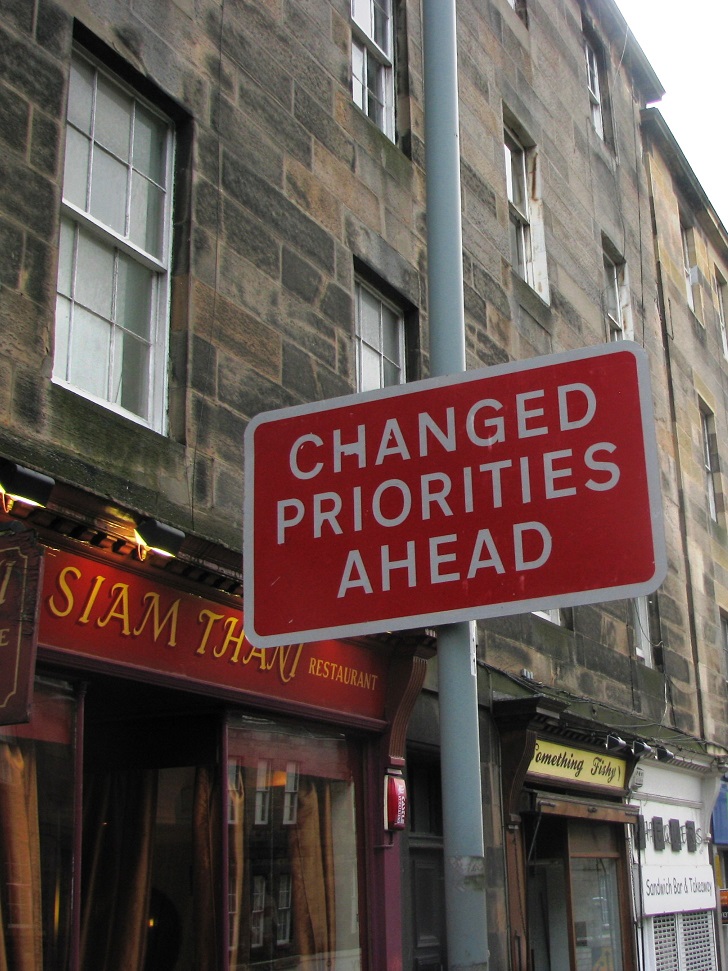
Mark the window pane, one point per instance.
(134, 297)
(285, 878)
(517, 180)
(391, 334)
(597, 929)
(75, 170)
(145, 217)
(80, 95)
(150, 136)
(517, 248)
(108, 191)
(358, 81)
(95, 277)
(392, 374)
(113, 119)
(381, 24)
(369, 373)
(131, 373)
(369, 320)
(375, 86)
(361, 12)
(65, 258)
(63, 326)
(611, 291)
(89, 353)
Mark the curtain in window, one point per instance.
(205, 844)
(239, 929)
(119, 812)
(312, 871)
(21, 943)
(311, 857)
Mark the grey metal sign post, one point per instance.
(465, 878)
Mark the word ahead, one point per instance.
(526, 486)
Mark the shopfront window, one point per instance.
(152, 848)
(597, 932)
(576, 895)
(36, 838)
(292, 841)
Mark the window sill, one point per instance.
(530, 301)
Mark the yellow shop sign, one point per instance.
(568, 764)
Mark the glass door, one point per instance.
(577, 899)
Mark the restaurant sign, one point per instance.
(21, 569)
(566, 764)
(92, 609)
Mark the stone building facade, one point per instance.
(214, 208)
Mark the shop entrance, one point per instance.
(150, 887)
(576, 894)
(426, 864)
(152, 830)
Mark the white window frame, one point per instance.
(257, 910)
(525, 211)
(690, 268)
(263, 786)
(721, 288)
(593, 84)
(83, 230)
(707, 433)
(518, 206)
(642, 632)
(369, 345)
(617, 302)
(372, 61)
(290, 794)
(724, 642)
(284, 909)
(553, 616)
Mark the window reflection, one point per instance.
(36, 808)
(293, 896)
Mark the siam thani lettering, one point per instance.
(101, 603)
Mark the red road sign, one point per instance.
(526, 486)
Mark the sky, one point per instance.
(686, 45)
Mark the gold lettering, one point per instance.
(211, 620)
(63, 587)
(258, 652)
(289, 672)
(98, 583)
(230, 623)
(6, 580)
(319, 668)
(234, 659)
(4, 636)
(152, 601)
(122, 600)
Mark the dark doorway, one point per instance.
(426, 874)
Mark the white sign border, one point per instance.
(420, 620)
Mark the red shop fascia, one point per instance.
(127, 632)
